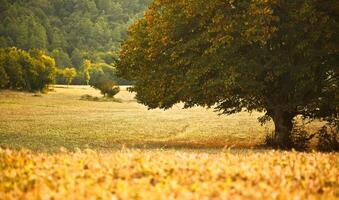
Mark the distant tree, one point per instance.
(3, 77)
(77, 58)
(13, 61)
(277, 57)
(86, 68)
(32, 71)
(103, 78)
(108, 87)
(42, 72)
(57, 39)
(61, 58)
(69, 73)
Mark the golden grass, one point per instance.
(173, 154)
(169, 174)
(61, 118)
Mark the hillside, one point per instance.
(69, 30)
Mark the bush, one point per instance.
(269, 140)
(107, 87)
(300, 138)
(110, 89)
(328, 138)
(103, 78)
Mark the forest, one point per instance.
(70, 31)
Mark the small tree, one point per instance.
(42, 71)
(108, 88)
(69, 73)
(86, 68)
(103, 79)
(31, 71)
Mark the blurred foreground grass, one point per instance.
(168, 174)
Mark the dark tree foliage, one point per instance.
(21, 70)
(70, 30)
(103, 78)
(277, 57)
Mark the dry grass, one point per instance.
(169, 174)
(177, 154)
(61, 118)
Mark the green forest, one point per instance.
(70, 31)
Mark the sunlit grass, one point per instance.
(168, 174)
(57, 146)
(61, 118)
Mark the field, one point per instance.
(57, 146)
(61, 119)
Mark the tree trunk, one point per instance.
(283, 123)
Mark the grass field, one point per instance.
(57, 146)
(60, 118)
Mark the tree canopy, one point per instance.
(277, 57)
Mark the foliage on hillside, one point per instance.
(70, 30)
(21, 70)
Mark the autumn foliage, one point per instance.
(276, 57)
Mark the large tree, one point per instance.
(278, 57)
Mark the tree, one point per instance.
(77, 58)
(277, 57)
(69, 73)
(3, 77)
(103, 78)
(61, 58)
(13, 62)
(21, 70)
(42, 71)
(86, 67)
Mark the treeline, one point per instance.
(34, 70)
(70, 31)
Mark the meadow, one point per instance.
(46, 122)
(60, 146)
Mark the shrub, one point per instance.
(103, 78)
(300, 138)
(107, 87)
(269, 140)
(328, 138)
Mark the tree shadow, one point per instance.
(53, 143)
